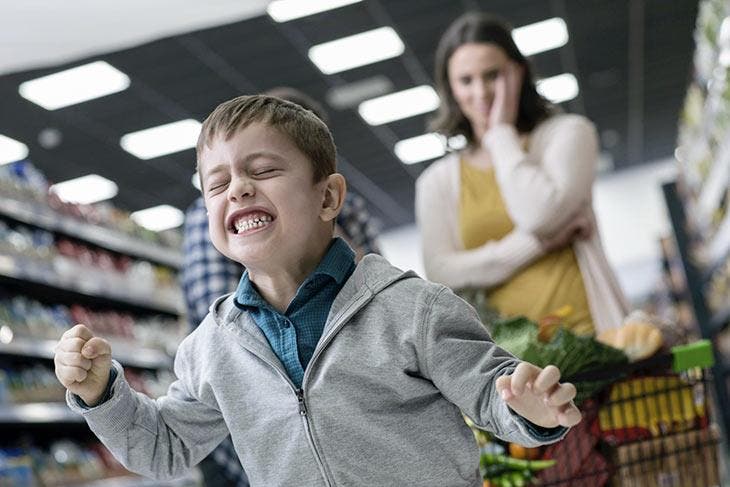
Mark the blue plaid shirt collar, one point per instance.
(336, 264)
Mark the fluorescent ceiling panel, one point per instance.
(11, 150)
(352, 94)
(163, 139)
(159, 218)
(285, 10)
(541, 36)
(74, 85)
(396, 106)
(560, 88)
(420, 148)
(86, 189)
(457, 142)
(356, 50)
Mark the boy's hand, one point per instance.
(83, 362)
(536, 395)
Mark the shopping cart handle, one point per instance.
(678, 359)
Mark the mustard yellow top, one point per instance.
(551, 282)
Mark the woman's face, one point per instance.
(472, 70)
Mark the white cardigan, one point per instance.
(542, 188)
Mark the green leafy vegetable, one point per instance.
(567, 351)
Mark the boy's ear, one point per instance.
(334, 196)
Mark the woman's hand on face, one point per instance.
(507, 90)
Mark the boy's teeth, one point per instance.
(246, 224)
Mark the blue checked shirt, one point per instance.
(294, 334)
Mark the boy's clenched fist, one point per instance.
(83, 362)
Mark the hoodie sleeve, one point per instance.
(459, 357)
(160, 438)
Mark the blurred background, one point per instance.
(103, 102)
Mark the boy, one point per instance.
(323, 372)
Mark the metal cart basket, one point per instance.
(651, 427)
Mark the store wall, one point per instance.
(632, 217)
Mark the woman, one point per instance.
(511, 213)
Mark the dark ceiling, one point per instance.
(632, 60)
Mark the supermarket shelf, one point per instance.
(44, 275)
(720, 320)
(39, 412)
(715, 185)
(125, 353)
(189, 480)
(706, 320)
(719, 245)
(713, 267)
(104, 237)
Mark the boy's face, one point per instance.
(263, 206)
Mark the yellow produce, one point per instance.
(660, 404)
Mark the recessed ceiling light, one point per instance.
(457, 142)
(85, 190)
(352, 94)
(159, 218)
(11, 150)
(285, 10)
(356, 50)
(541, 36)
(560, 88)
(163, 139)
(74, 85)
(403, 104)
(420, 148)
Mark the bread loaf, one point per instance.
(638, 340)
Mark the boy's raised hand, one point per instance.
(537, 395)
(83, 362)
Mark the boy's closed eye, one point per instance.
(216, 186)
(267, 171)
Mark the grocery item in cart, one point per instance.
(567, 351)
(577, 461)
(637, 339)
(646, 407)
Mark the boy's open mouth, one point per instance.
(250, 220)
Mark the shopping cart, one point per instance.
(650, 427)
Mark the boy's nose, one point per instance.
(241, 188)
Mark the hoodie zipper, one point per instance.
(302, 406)
(305, 418)
(299, 393)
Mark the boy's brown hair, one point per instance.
(304, 129)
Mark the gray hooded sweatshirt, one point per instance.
(381, 404)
